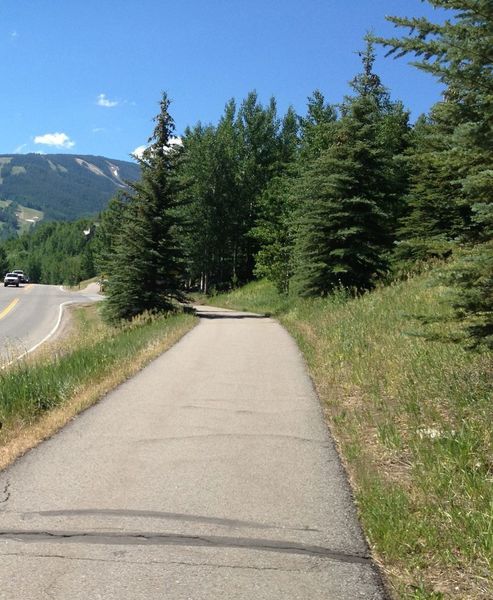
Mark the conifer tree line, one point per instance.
(338, 198)
(341, 197)
(345, 196)
(310, 202)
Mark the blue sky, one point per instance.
(86, 76)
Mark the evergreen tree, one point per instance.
(459, 52)
(436, 216)
(145, 272)
(107, 233)
(350, 192)
(304, 139)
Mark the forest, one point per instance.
(347, 196)
(53, 252)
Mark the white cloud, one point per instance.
(14, 35)
(106, 102)
(139, 151)
(20, 148)
(98, 129)
(59, 140)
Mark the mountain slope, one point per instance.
(63, 186)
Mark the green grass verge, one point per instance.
(30, 388)
(412, 419)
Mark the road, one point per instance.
(208, 476)
(29, 313)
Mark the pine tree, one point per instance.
(350, 192)
(459, 52)
(107, 233)
(145, 272)
(436, 216)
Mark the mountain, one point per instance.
(63, 186)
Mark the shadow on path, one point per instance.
(204, 315)
(212, 312)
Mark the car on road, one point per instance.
(23, 278)
(11, 279)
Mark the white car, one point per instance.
(11, 279)
(23, 278)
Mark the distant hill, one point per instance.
(63, 186)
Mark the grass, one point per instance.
(40, 394)
(412, 419)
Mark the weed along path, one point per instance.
(209, 475)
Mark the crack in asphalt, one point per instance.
(172, 539)
(5, 493)
(157, 562)
(242, 411)
(322, 443)
(240, 567)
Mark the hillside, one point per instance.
(63, 186)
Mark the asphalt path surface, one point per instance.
(210, 475)
(30, 313)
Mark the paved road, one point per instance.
(208, 476)
(30, 312)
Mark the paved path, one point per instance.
(208, 476)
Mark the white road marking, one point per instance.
(45, 339)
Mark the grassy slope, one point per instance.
(412, 419)
(25, 216)
(39, 395)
